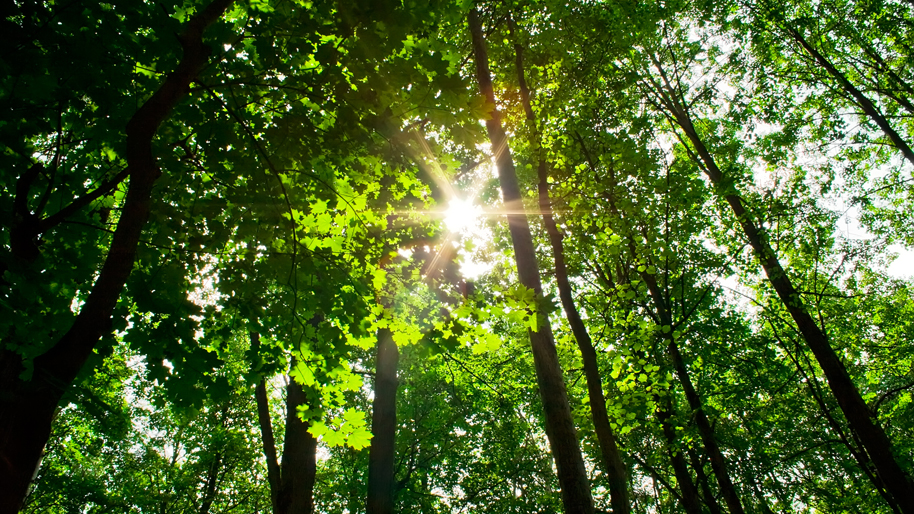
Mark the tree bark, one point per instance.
(381, 480)
(859, 417)
(28, 407)
(560, 429)
(702, 478)
(292, 482)
(861, 99)
(691, 503)
(613, 465)
(299, 456)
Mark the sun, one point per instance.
(463, 220)
(461, 215)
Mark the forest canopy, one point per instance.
(377, 256)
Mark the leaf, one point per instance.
(360, 438)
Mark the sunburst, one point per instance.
(462, 215)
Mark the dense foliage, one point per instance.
(235, 278)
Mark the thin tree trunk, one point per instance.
(560, 429)
(212, 480)
(657, 477)
(858, 414)
(718, 463)
(269, 443)
(28, 407)
(211, 487)
(861, 99)
(706, 492)
(381, 479)
(657, 496)
(354, 501)
(853, 447)
(691, 503)
(613, 466)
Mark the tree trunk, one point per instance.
(292, 482)
(559, 424)
(853, 447)
(613, 466)
(861, 99)
(212, 481)
(381, 480)
(718, 463)
(28, 407)
(859, 417)
(691, 503)
(211, 486)
(269, 442)
(299, 456)
(702, 478)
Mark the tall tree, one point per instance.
(291, 480)
(668, 96)
(611, 456)
(28, 405)
(559, 424)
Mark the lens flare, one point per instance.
(461, 215)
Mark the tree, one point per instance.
(560, 427)
(291, 481)
(29, 405)
(731, 340)
(872, 436)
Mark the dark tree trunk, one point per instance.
(859, 98)
(299, 456)
(691, 503)
(853, 446)
(28, 407)
(613, 466)
(292, 482)
(381, 480)
(559, 424)
(211, 486)
(212, 481)
(718, 463)
(269, 442)
(706, 492)
(859, 417)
